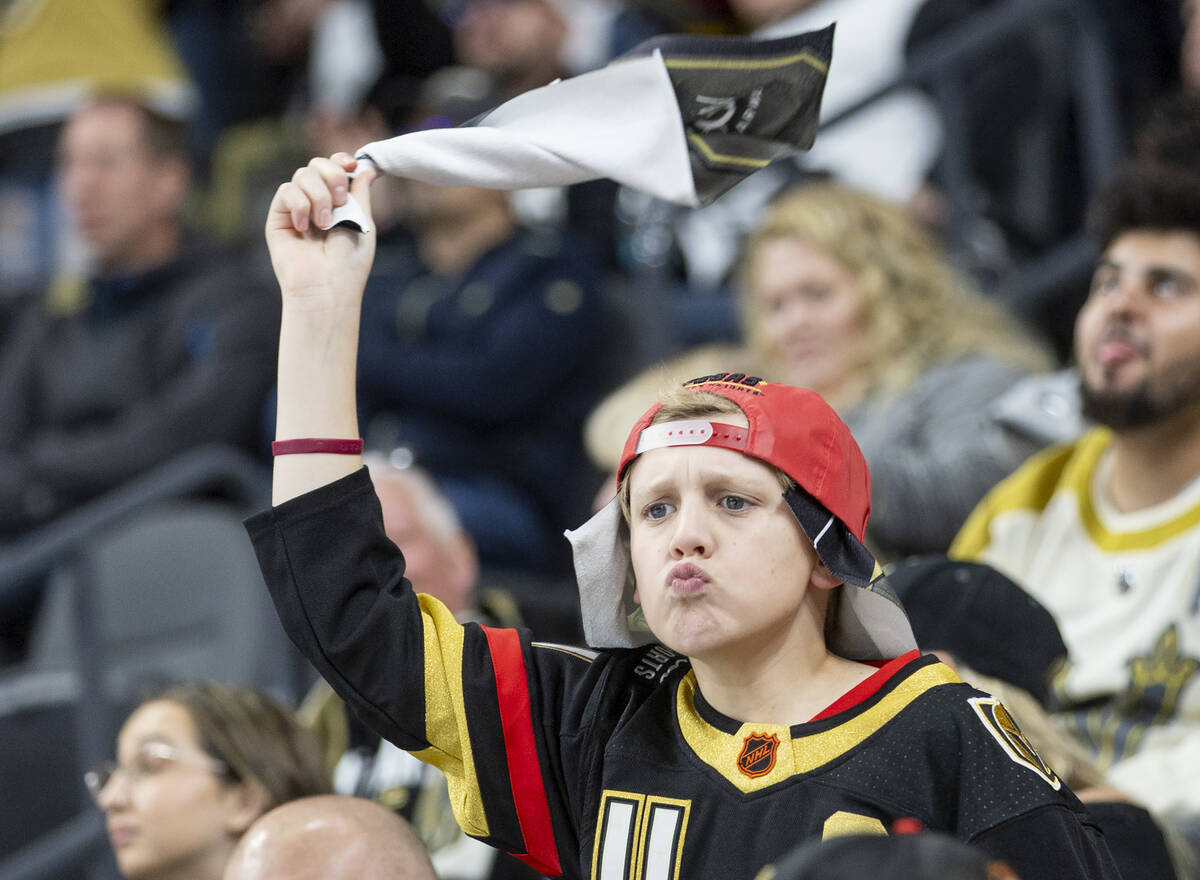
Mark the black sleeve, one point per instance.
(1050, 843)
(483, 704)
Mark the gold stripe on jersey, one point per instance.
(446, 714)
(1063, 469)
(1030, 488)
(843, 823)
(800, 754)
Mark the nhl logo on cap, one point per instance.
(758, 754)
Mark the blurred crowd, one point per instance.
(953, 268)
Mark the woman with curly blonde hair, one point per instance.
(847, 295)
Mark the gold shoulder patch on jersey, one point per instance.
(1003, 728)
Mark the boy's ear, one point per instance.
(824, 579)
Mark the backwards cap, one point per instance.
(794, 430)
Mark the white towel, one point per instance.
(681, 118)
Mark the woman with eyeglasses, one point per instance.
(195, 766)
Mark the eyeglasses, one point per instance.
(151, 758)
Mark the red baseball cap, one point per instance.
(795, 430)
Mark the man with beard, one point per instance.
(1105, 531)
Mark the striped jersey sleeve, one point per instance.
(483, 704)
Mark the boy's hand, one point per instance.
(329, 267)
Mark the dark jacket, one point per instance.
(156, 363)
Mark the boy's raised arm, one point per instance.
(321, 279)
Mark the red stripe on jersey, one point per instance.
(867, 686)
(524, 772)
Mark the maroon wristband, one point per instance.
(317, 444)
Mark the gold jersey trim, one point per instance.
(1069, 469)
(801, 754)
(1030, 487)
(446, 715)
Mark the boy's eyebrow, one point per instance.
(708, 476)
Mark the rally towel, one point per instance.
(682, 118)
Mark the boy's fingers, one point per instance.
(335, 172)
(314, 190)
(289, 209)
(317, 188)
(361, 188)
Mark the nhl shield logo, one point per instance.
(758, 754)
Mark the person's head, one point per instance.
(921, 856)
(1137, 337)
(754, 14)
(195, 766)
(439, 555)
(519, 43)
(744, 506)
(125, 174)
(330, 838)
(524, 44)
(846, 294)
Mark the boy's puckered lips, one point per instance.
(687, 579)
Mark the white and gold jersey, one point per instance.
(1125, 589)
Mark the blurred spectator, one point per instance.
(482, 348)
(919, 856)
(845, 294)
(440, 561)
(525, 44)
(171, 349)
(1103, 531)
(196, 765)
(1003, 641)
(330, 838)
(53, 55)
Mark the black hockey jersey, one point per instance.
(611, 766)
